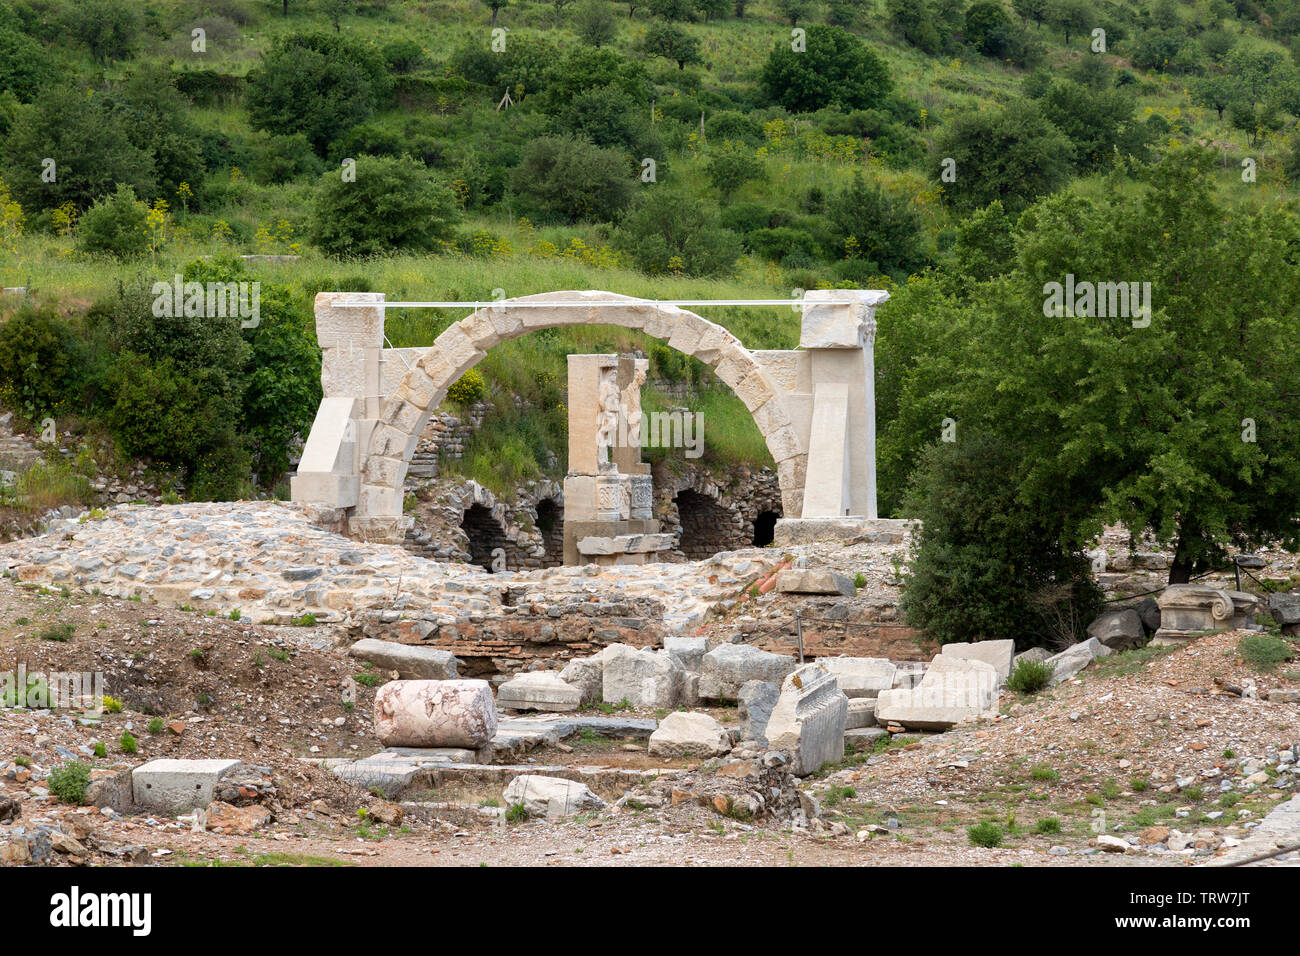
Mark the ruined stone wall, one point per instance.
(532, 633)
(458, 520)
(444, 440)
(834, 627)
(713, 509)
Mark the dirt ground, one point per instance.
(1116, 750)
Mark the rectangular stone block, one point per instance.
(411, 661)
(814, 581)
(998, 654)
(860, 677)
(178, 786)
(809, 720)
(861, 713)
(538, 690)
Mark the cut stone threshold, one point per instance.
(796, 531)
(407, 772)
(398, 771)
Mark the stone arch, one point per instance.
(463, 344)
(765, 528)
(484, 534)
(550, 525)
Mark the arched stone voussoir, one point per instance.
(463, 344)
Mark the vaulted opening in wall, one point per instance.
(485, 536)
(707, 527)
(765, 528)
(550, 522)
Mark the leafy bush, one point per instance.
(156, 725)
(115, 226)
(37, 364)
(670, 232)
(128, 743)
(468, 389)
(1029, 677)
(395, 204)
(69, 782)
(1264, 652)
(986, 834)
(1013, 154)
(317, 85)
(566, 177)
(836, 69)
(65, 122)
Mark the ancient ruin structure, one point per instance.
(1188, 611)
(815, 405)
(608, 496)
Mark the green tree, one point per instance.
(989, 565)
(38, 364)
(869, 223)
(671, 9)
(792, 11)
(318, 85)
(1098, 123)
(836, 69)
(1213, 91)
(1178, 416)
(394, 204)
(1027, 10)
(1010, 154)
(669, 232)
(1071, 17)
(25, 67)
(91, 154)
(496, 6)
(568, 178)
(594, 22)
(110, 30)
(989, 29)
(672, 43)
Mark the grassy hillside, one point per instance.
(773, 184)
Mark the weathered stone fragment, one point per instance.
(689, 735)
(430, 713)
(729, 667)
(808, 720)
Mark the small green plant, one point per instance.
(280, 655)
(1193, 794)
(100, 749)
(368, 680)
(57, 632)
(985, 834)
(23, 760)
(1029, 677)
(128, 743)
(156, 725)
(1140, 784)
(235, 614)
(1048, 825)
(1264, 652)
(859, 581)
(304, 620)
(69, 782)
(516, 813)
(1044, 773)
(1230, 754)
(112, 704)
